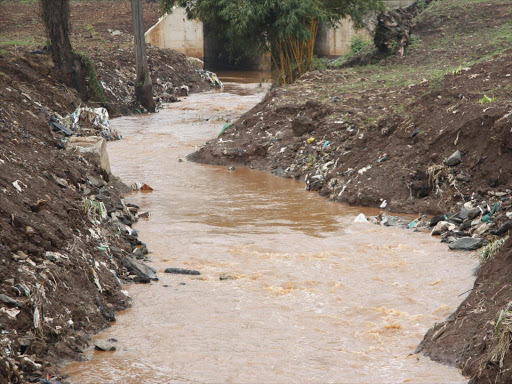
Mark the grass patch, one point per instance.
(320, 63)
(491, 249)
(486, 99)
(17, 42)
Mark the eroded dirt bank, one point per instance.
(280, 269)
(429, 133)
(66, 243)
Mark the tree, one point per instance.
(75, 70)
(285, 28)
(143, 84)
(55, 15)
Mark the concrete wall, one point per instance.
(176, 32)
(336, 42)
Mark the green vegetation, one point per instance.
(491, 249)
(504, 339)
(487, 99)
(414, 44)
(17, 42)
(285, 29)
(358, 43)
(94, 88)
(320, 63)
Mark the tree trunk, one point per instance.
(143, 85)
(56, 19)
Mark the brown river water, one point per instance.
(314, 297)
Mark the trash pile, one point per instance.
(85, 121)
(476, 223)
(211, 78)
(38, 304)
(169, 70)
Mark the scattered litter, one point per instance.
(363, 170)
(226, 126)
(212, 78)
(361, 218)
(384, 204)
(12, 313)
(54, 123)
(141, 187)
(310, 140)
(18, 185)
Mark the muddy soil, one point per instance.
(102, 30)
(382, 136)
(66, 244)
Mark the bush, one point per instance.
(358, 43)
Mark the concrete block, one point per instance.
(92, 148)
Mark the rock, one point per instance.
(463, 177)
(463, 214)
(181, 271)
(225, 277)
(436, 219)
(92, 148)
(465, 225)
(473, 213)
(361, 218)
(483, 228)
(454, 159)
(95, 182)
(466, 244)
(144, 273)
(442, 227)
(302, 125)
(103, 345)
(503, 229)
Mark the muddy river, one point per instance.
(313, 297)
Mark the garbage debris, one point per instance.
(141, 187)
(54, 123)
(226, 126)
(18, 185)
(212, 78)
(86, 121)
(361, 218)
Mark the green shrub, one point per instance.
(358, 43)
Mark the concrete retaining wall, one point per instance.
(176, 32)
(336, 42)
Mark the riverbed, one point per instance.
(307, 295)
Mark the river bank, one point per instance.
(67, 246)
(426, 133)
(280, 269)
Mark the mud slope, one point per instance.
(471, 337)
(381, 135)
(102, 31)
(368, 134)
(66, 243)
